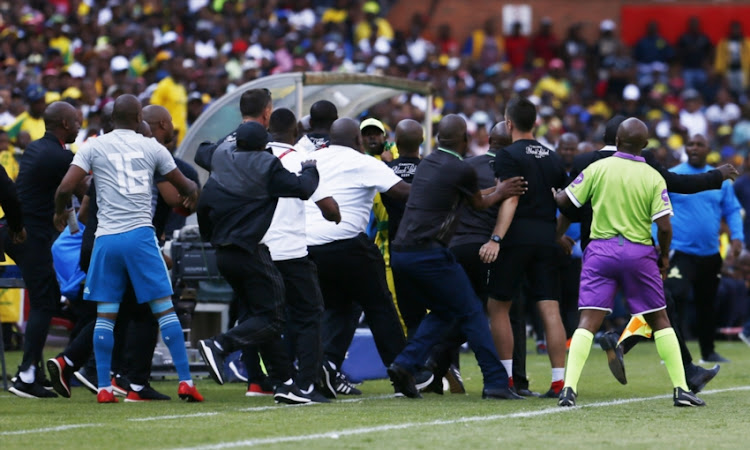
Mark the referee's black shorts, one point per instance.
(539, 263)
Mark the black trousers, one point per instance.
(570, 281)
(34, 258)
(260, 289)
(352, 272)
(136, 334)
(701, 275)
(304, 308)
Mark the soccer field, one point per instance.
(609, 415)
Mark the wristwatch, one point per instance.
(496, 238)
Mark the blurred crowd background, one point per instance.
(185, 54)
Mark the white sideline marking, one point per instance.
(46, 430)
(402, 426)
(176, 416)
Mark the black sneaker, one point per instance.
(436, 386)
(120, 385)
(500, 394)
(87, 380)
(315, 396)
(290, 395)
(344, 386)
(60, 372)
(713, 358)
(527, 393)
(456, 383)
(403, 381)
(686, 398)
(698, 377)
(146, 394)
(30, 390)
(567, 397)
(608, 343)
(214, 359)
(328, 381)
(424, 379)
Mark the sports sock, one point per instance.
(558, 373)
(669, 351)
(508, 364)
(580, 346)
(28, 375)
(68, 361)
(104, 341)
(136, 387)
(171, 333)
(289, 382)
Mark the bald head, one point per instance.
(452, 133)
(567, 147)
(144, 129)
(345, 132)
(126, 113)
(62, 119)
(500, 137)
(632, 136)
(160, 121)
(409, 136)
(106, 119)
(155, 113)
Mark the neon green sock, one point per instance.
(580, 346)
(669, 351)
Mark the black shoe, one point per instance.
(403, 381)
(698, 377)
(527, 393)
(713, 358)
(30, 390)
(60, 372)
(456, 383)
(501, 394)
(436, 386)
(290, 395)
(686, 398)
(335, 383)
(567, 397)
(423, 379)
(146, 394)
(608, 343)
(87, 380)
(554, 390)
(315, 396)
(120, 385)
(214, 359)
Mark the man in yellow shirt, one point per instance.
(372, 24)
(29, 121)
(172, 95)
(554, 83)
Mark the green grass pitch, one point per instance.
(639, 415)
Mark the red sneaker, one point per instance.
(105, 396)
(120, 386)
(60, 375)
(189, 393)
(256, 390)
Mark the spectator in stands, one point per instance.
(651, 52)
(608, 44)
(554, 83)
(733, 58)
(446, 43)
(517, 47)
(694, 50)
(485, 45)
(7, 155)
(29, 125)
(724, 111)
(372, 27)
(692, 116)
(171, 94)
(544, 45)
(575, 51)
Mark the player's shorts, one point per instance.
(133, 257)
(618, 263)
(538, 263)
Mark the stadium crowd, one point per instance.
(692, 97)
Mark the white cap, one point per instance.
(119, 63)
(631, 92)
(76, 70)
(250, 64)
(607, 25)
(521, 84)
(168, 38)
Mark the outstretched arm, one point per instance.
(65, 191)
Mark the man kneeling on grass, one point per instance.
(626, 196)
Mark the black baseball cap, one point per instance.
(252, 136)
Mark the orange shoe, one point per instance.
(189, 393)
(105, 396)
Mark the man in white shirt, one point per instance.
(723, 112)
(692, 116)
(286, 241)
(350, 266)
